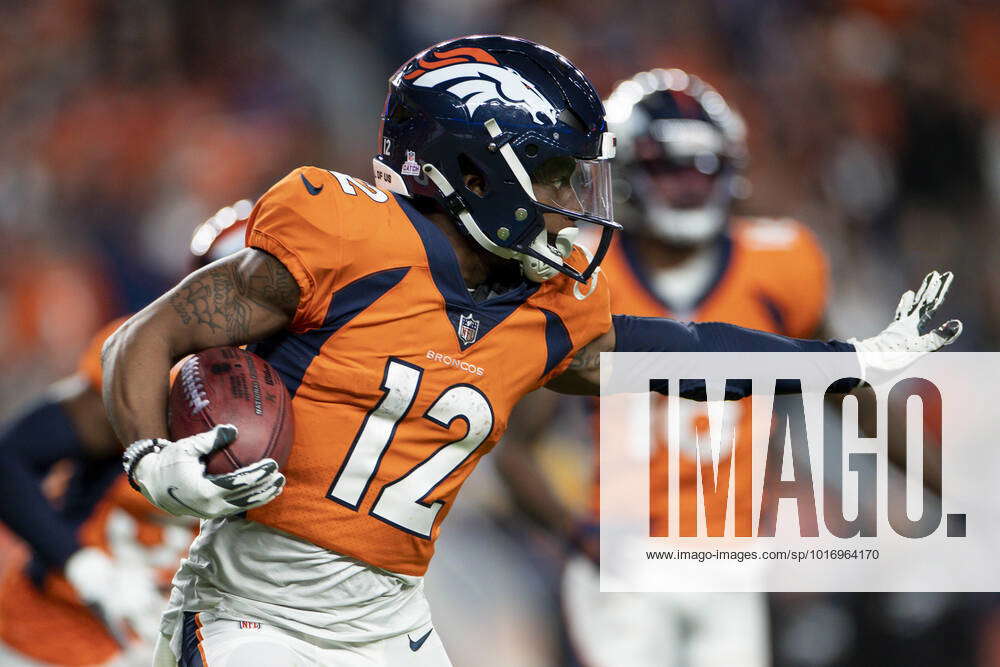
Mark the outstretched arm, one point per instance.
(658, 334)
(899, 345)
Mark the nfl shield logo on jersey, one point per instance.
(468, 329)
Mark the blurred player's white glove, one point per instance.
(901, 343)
(172, 476)
(122, 596)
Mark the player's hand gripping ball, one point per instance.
(228, 385)
(231, 429)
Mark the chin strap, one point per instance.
(538, 271)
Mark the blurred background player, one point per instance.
(683, 254)
(876, 121)
(101, 556)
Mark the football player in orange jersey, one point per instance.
(406, 322)
(99, 560)
(682, 254)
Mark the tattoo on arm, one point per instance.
(589, 358)
(213, 299)
(223, 296)
(275, 289)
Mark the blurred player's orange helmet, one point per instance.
(681, 150)
(221, 235)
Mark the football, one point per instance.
(229, 385)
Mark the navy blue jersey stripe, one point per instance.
(447, 276)
(557, 340)
(292, 353)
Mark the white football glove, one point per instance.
(122, 596)
(172, 476)
(901, 343)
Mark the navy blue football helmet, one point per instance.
(513, 113)
(668, 120)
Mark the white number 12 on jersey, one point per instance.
(401, 503)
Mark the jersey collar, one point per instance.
(459, 305)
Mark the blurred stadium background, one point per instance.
(877, 122)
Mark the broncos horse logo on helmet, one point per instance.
(474, 76)
(504, 110)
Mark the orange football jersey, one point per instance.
(400, 381)
(772, 276)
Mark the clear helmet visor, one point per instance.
(578, 189)
(581, 190)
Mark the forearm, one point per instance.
(900, 344)
(653, 334)
(137, 366)
(656, 334)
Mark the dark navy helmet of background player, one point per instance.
(511, 112)
(681, 150)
